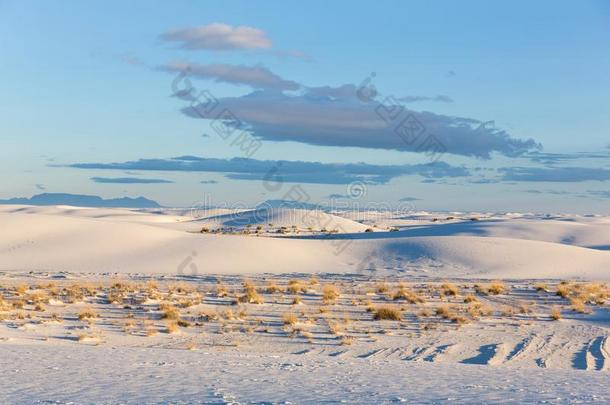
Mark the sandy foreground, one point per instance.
(126, 306)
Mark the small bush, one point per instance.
(289, 318)
(171, 327)
(169, 312)
(330, 293)
(470, 298)
(387, 313)
(449, 289)
(497, 288)
(556, 313)
(406, 294)
(86, 314)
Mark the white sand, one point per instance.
(161, 241)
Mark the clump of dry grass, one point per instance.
(297, 300)
(578, 305)
(250, 294)
(169, 311)
(183, 323)
(314, 281)
(556, 313)
(87, 313)
(477, 310)
(382, 287)
(494, 288)
(387, 313)
(404, 293)
(221, 290)
(295, 287)
(470, 298)
(541, 287)
(289, 318)
(330, 293)
(497, 288)
(449, 290)
(564, 290)
(336, 328)
(273, 288)
(171, 327)
(443, 311)
(346, 340)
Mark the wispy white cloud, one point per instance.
(219, 37)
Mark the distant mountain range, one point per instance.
(80, 200)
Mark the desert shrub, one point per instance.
(443, 311)
(171, 327)
(406, 294)
(470, 298)
(382, 287)
(87, 313)
(387, 313)
(578, 305)
(497, 288)
(449, 289)
(541, 287)
(295, 287)
(563, 290)
(273, 288)
(347, 340)
(289, 318)
(169, 312)
(494, 288)
(330, 293)
(556, 313)
(250, 294)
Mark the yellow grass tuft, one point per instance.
(330, 293)
(387, 313)
(289, 318)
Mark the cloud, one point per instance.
(555, 174)
(550, 159)
(258, 77)
(599, 193)
(409, 199)
(552, 192)
(337, 196)
(218, 37)
(335, 116)
(128, 180)
(285, 171)
(208, 182)
(40, 186)
(413, 99)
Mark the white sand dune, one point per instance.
(283, 217)
(125, 241)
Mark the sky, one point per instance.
(442, 105)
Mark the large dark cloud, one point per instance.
(337, 116)
(287, 171)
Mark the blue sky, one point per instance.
(88, 104)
